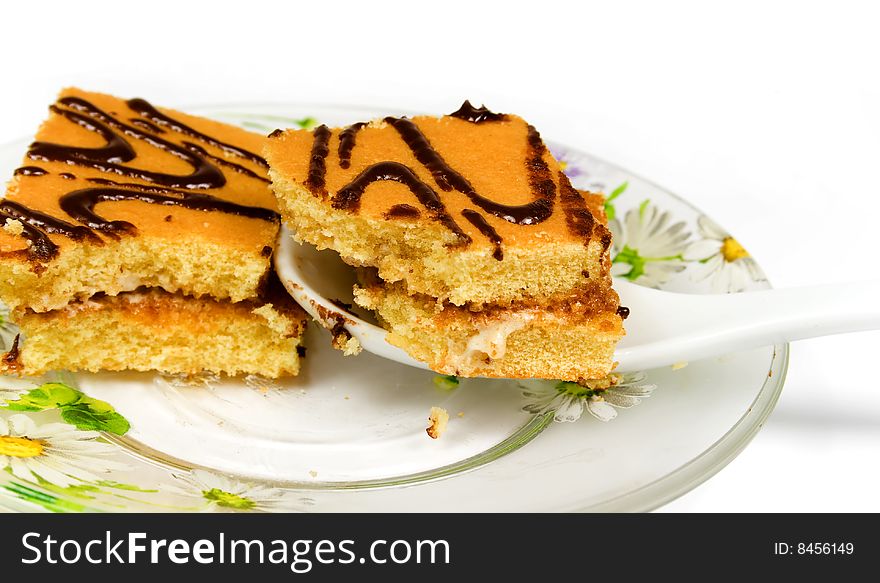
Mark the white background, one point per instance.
(765, 115)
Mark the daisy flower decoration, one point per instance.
(722, 260)
(56, 453)
(648, 247)
(219, 493)
(601, 398)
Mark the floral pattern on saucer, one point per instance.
(567, 401)
(213, 492)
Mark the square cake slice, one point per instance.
(469, 208)
(476, 252)
(140, 238)
(117, 194)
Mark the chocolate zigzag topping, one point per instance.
(146, 110)
(349, 197)
(108, 158)
(541, 180)
(318, 161)
(113, 158)
(487, 230)
(346, 143)
(80, 205)
(578, 217)
(225, 163)
(447, 178)
(36, 227)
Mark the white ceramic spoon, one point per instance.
(663, 328)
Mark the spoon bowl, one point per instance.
(322, 284)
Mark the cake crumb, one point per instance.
(346, 397)
(13, 227)
(438, 418)
(461, 413)
(313, 473)
(679, 365)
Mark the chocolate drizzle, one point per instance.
(403, 211)
(145, 109)
(117, 149)
(349, 196)
(447, 178)
(80, 205)
(225, 163)
(318, 161)
(11, 358)
(145, 125)
(346, 143)
(36, 227)
(444, 175)
(29, 171)
(487, 230)
(108, 158)
(112, 158)
(543, 184)
(578, 217)
(540, 178)
(473, 114)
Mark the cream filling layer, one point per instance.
(491, 339)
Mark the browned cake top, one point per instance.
(486, 177)
(102, 168)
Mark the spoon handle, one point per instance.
(670, 327)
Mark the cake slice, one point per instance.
(114, 195)
(485, 260)
(468, 208)
(141, 238)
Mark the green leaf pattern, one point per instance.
(76, 408)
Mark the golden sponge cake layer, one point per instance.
(116, 194)
(572, 340)
(465, 211)
(149, 330)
